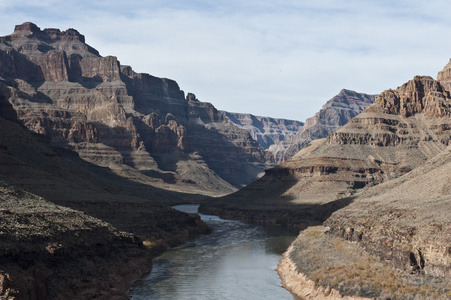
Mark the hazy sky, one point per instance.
(274, 58)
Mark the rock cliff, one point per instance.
(136, 124)
(78, 238)
(335, 113)
(381, 180)
(406, 220)
(379, 144)
(284, 138)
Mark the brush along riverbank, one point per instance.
(319, 265)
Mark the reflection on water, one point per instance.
(236, 261)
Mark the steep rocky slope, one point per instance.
(29, 163)
(382, 180)
(138, 125)
(406, 220)
(401, 236)
(52, 252)
(400, 131)
(334, 114)
(284, 138)
(78, 240)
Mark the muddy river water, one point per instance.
(236, 261)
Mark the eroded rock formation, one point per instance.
(284, 138)
(78, 239)
(133, 123)
(400, 216)
(335, 113)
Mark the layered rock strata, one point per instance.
(370, 176)
(335, 113)
(405, 221)
(266, 131)
(284, 138)
(79, 239)
(136, 124)
(376, 146)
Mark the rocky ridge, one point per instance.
(52, 252)
(335, 113)
(136, 124)
(284, 138)
(363, 180)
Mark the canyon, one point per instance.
(93, 153)
(136, 124)
(284, 138)
(381, 180)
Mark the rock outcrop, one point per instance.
(319, 265)
(284, 138)
(382, 180)
(378, 145)
(406, 220)
(136, 124)
(53, 252)
(78, 238)
(335, 113)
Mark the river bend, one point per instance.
(236, 261)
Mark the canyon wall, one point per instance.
(284, 138)
(353, 180)
(136, 124)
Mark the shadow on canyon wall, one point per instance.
(59, 175)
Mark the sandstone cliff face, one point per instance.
(62, 88)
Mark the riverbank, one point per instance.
(319, 265)
(48, 251)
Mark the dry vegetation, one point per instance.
(335, 263)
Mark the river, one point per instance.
(236, 261)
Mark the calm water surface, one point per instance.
(236, 261)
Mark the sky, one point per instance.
(282, 59)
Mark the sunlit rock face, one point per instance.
(383, 180)
(399, 132)
(337, 112)
(61, 87)
(284, 138)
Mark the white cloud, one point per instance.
(282, 59)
